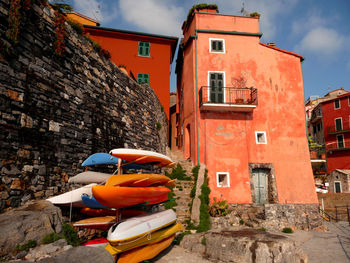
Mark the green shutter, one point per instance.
(144, 49)
(142, 78)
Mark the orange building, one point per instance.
(147, 57)
(241, 112)
(84, 20)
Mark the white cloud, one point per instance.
(270, 10)
(154, 16)
(322, 40)
(310, 21)
(96, 10)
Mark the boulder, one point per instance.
(244, 246)
(32, 221)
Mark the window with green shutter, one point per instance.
(142, 78)
(144, 49)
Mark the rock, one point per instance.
(81, 254)
(47, 250)
(244, 246)
(32, 221)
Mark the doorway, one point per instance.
(260, 185)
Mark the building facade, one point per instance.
(241, 108)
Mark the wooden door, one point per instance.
(260, 185)
(216, 88)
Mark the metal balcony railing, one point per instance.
(345, 127)
(342, 145)
(228, 96)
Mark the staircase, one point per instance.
(182, 190)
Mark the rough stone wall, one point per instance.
(56, 111)
(342, 177)
(271, 216)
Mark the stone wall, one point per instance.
(271, 217)
(56, 111)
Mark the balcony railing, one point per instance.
(228, 98)
(338, 146)
(344, 128)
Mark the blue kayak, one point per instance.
(91, 202)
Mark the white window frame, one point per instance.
(224, 78)
(256, 137)
(223, 45)
(335, 123)
(227, 176)
(341, 190)
(339, 104)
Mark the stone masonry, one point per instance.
(56, 111)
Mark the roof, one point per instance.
(284, 51)
(83, 16)
(344, 171)
(172, 39)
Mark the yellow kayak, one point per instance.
(139, 180)
(144, 240)
(146, 252)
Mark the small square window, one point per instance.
(223, 179)
(217, 45)
(337, 104)
(144, 49)
(260, 137)
(142, 78)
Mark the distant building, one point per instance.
(80, 18)
(339, 181)
(147, 57)
(330, 125)
(241, 108)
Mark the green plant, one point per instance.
(62, 7)
(287, 230)
(162, 109)
(159, 126)
(262, 229)
(70, 235)
(204, 217)
(180, 236)
(219, 208)
(255, 14)
(200, 6)
(76, 26)
(178, 173)
(171, 203)
(204, 241)
(26, 246)
(241, 222)
(121, 66)
(50, 238)
(14, 21)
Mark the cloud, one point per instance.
(322, 40)
(270, 11)
(154, 16)
(96, 10)
(315, 19)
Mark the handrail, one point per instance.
(336, 146)
(333, 128)
(228, 95)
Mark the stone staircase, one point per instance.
(183, 188)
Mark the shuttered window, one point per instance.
(144, 49)
(142, 78)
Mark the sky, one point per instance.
(319, 30)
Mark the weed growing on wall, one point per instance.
(204, 217)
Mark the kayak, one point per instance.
(139, 180)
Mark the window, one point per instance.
(338, 124)
(260, 137)
(142, 78)
(217, 45)
(337, 104)
(144, 49)
(340, 141)
(337, 187)
(216, 83)
(223, 179)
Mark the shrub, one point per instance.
(76, 26)
(262, 229)
(159, 126)
(204, 217)
(255, 14)
(26, 246)
(219, 208)
(50, 238)
(204, 241)
(287, 230)
(178, 173)
(200, 6)
(171, 203)
(241, 222)
(70, 235)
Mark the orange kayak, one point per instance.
(139, 180)
(146, 252)
(123, 196)
(101, 222)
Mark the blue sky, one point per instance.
(319, 30)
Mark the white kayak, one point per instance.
(140, 225)
(72, 197)
(89, 177)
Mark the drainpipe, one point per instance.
(197, 122)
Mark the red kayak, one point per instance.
(123, 196)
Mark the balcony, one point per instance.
(334, 129)
(228, 99)
(316, 116)
(338, 146)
